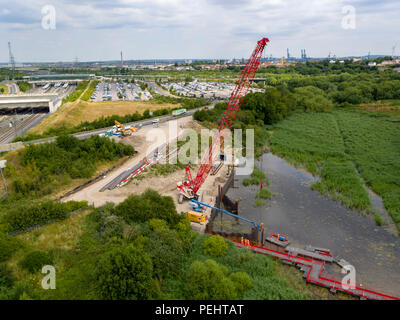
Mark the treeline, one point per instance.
(345, 89)
(311, 94)
(22, 217)
(24, 86)
(40, 169)
(109, 121)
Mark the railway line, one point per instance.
(7, 134)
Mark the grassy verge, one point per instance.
(4, 89)
(88, 93)
(77, 93)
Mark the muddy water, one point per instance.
(307, 217)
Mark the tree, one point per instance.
(165, 249)
(125, 273)
(311, 99)
(215, 246)
(271, 106)
(208, 281)
(148, 205)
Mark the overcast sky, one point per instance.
(157, 29)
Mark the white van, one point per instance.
(155, 121)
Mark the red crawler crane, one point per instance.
(190, 187)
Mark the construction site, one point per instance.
(203, 197)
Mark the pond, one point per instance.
(307, 217)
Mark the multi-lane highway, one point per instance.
(88, 134)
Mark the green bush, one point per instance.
(35, 260)
(241, 280)
(209, 280)
(148, 205)
(111, 228)
(8, 245)
(215, 246)
(125, 273)
(24, 216)
(6, 277)
(166, 251)
(24, 86)
(263, 194)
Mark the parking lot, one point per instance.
(110, 91)
(63, 89)
(199, 89)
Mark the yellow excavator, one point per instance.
(124, 132)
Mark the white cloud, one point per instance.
(203, 28)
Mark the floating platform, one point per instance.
(278, 242)
(312, 265)
(308, 254)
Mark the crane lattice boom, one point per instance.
(227, 119)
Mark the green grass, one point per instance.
(77, 93)
(264, 194)
(257, 176)
(342, 182)
(333, 145)
(165, 169)
(87, 95)
(373, 142)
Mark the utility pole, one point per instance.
(12, 61)
(15, 124)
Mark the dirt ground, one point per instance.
(165, 185)
(72, 114)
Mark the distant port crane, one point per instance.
(190, 187)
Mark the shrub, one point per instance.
(215, 246)
(263, 194)
(148, 205)
(8, 245)
(35, 260)
(208, 281)
(125, 273)
(6, 277)
(166, 251)
(241, 280)
(23, 217)
(111, 227)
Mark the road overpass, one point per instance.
(10, 102)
